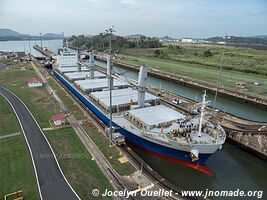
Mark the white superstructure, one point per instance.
(67, 59)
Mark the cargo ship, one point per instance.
(141, 118)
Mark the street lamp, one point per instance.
(110, 31)
(41, 41)
(220, 72)
(30, 45)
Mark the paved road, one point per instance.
(51, 182)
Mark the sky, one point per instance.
(175, 18)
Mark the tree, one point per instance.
(157, 53)
(207, 53)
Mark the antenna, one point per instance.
(24, 46)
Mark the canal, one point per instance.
(239, 109)
(233, 168)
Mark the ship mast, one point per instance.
(203, 105)
(67, 45)
(91, 65)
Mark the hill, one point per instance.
(53, 35)
(241, 40)
(8, 34)
(5, 32)
(260, 36)
(136, 36)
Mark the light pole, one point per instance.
(30, 46)
(110, 31)
(41, 41)
(220, 73)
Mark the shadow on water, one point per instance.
(234, 169)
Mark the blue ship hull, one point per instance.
(148, 146)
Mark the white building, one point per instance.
(35, 82)
(221, 43)
(186, 40)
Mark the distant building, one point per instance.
(35, 82)
(221, 42)
(203, 42)
(186, 40)
(20, 54)
(58, 120)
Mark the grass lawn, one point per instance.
(236, 58)
(16, 171)
(8, 120)
(112, 154)
(204, 74)
(37, 99)
(81, 171)
(78, 114)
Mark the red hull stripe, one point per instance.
(196, 166)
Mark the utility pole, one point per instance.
(110, 31)
(24, 46)
(220, 73)
(41, 45)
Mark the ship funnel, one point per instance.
(91, 65)
(142, 81)
(109, 72)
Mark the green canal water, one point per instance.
(224, 104)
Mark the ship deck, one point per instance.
(156, 115)
(91, 85)
(71, 69)
(73, 76)
(154, 121)
(120, 98)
